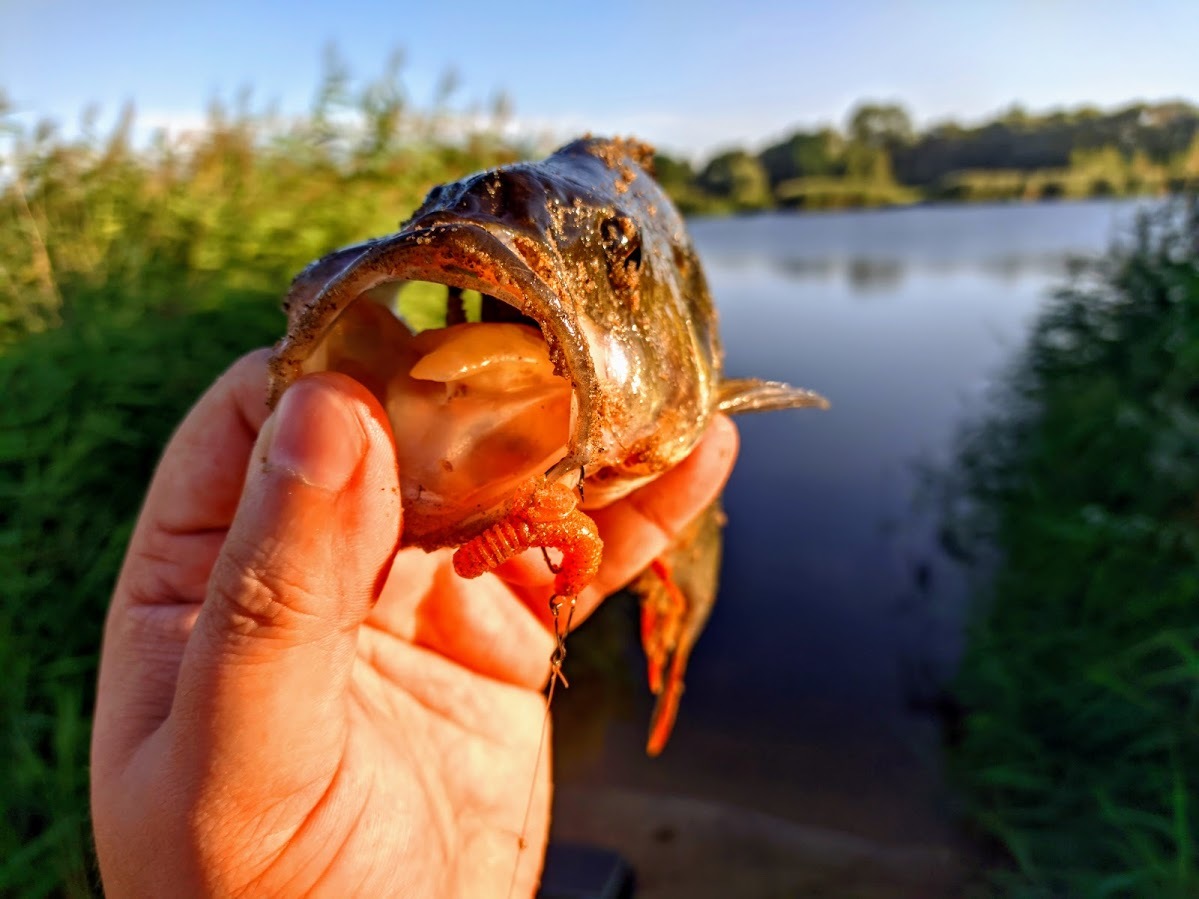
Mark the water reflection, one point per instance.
(873, 252)
(838, 611)
(875, 276)
(800, 268)
(870, 275)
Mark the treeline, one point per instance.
(880, 159)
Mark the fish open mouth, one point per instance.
(478, 408)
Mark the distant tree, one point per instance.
(949, 130)
(1015, 116)
(1105, 160)
(673, 173)
(803, 155)
(1188, 160)
(881, 125)
(1140, 148)
(866, 163)
(444, 90)
(738, 177)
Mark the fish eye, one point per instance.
(634, 258)
(621, 241)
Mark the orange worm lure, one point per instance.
(547, 517)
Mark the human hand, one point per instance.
(286, 705)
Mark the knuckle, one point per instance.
(262, 591)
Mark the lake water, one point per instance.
(837, 608)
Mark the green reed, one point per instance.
(131, 274)
(1077, 499)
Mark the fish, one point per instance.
(594, 366)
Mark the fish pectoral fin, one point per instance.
(677, 593)
(739, 395)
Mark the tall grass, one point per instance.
(1080, 497)
(130, 276)
(239, 205)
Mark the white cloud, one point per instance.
(174, 121)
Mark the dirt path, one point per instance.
(684, 848)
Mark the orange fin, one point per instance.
(677, 593)
(663, 610)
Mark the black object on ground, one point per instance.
(575, 871)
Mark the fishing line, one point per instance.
(556, 660)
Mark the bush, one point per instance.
(87, 410)
(1081, 677)
(844, 193)
(129, 278)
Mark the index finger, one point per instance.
(640, 527)
(196, 488)
(648, 521)
(182, 524)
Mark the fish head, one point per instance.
(583, 247)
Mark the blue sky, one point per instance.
(690, 76)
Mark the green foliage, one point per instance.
(737, 178)
(866, 163)
(885, 126)
(1045, 184)
(881, 160)
(1185, 165)
(677, 178)
(841, 193)
(983, 186)
(1078, 496)
(129, 278)
(1020, 141)
(803, 155)
(242, 205)
(87, 409)
(672, 173)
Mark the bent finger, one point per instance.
(183, 521)
(196, 489)
(640, 527)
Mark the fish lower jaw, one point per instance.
(475, 409)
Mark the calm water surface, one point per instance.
(800, 691)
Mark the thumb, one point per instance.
(263, 681)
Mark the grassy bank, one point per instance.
(129, 278)
(1079, 497)
(87, 409)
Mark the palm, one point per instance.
(261, 728)
(448, 751)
